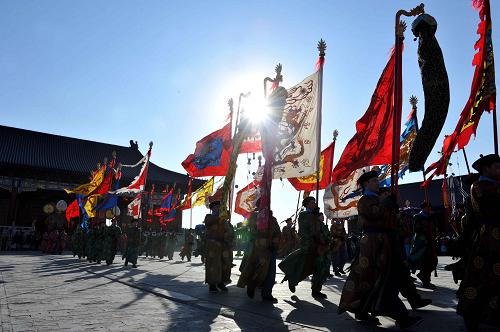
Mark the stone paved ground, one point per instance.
(56, 293)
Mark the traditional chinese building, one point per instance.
(35, 168)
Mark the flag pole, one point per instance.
(191, 206)
(466, 160)
(495, 130)
(276, 81)
(230, 104)
(335, 134)
(414, 102)
(396, 122)
(297, 209)
(231, 110)
(236, 129)
(242, 95)
(321, 61)
(399, 28)
(145, 179)
(268, 145)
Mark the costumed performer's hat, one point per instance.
(213, 204)
(421, 21)
(485, 161)
(367, 176)
(308, 199)
(215, 199)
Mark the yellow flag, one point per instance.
(87, 188)
(203, 193)
(311, 179)
(91, 204)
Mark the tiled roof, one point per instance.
(22, 148)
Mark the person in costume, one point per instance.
(77, 242)
(468, 230)
(53, 242)
(258, 267)
(339, 250)
(91, 239)
(153, 243)
(148, 242)
(63, 238)
(187, 248)
(312, 255)
(44, 244)
(200, 242)
(113, 234)
(133, 244)
(423, 254)
(238, 233)
(171, 239)
(398, 266)
(372, 287)
(99, 242)
(218, 242)
(289, 239)
(162, 243)
(479, 291)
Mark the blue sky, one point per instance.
(163, 70)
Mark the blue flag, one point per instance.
(407, 137)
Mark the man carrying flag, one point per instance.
(218, 246)
(258, 267)
(133, 244)
(311, 256)
(478, 294)
(372, 286)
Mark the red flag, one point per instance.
(308, 183)
(137, 185)
(253, 142)
(483, 91)
(105, 185)
(73, 210)
(482, 96)
(372, 143)
(187, 200)
(246, 199)
(134, 208)
(212, 154)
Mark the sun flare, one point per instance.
(255, 109)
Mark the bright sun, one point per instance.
(255, 109)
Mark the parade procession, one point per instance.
(322, 169)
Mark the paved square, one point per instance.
(57, 293)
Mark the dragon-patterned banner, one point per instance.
(297, 145)
(246, 199)
(341, 199)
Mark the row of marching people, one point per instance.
(101, 243)
(377, 275)
(380, 270)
